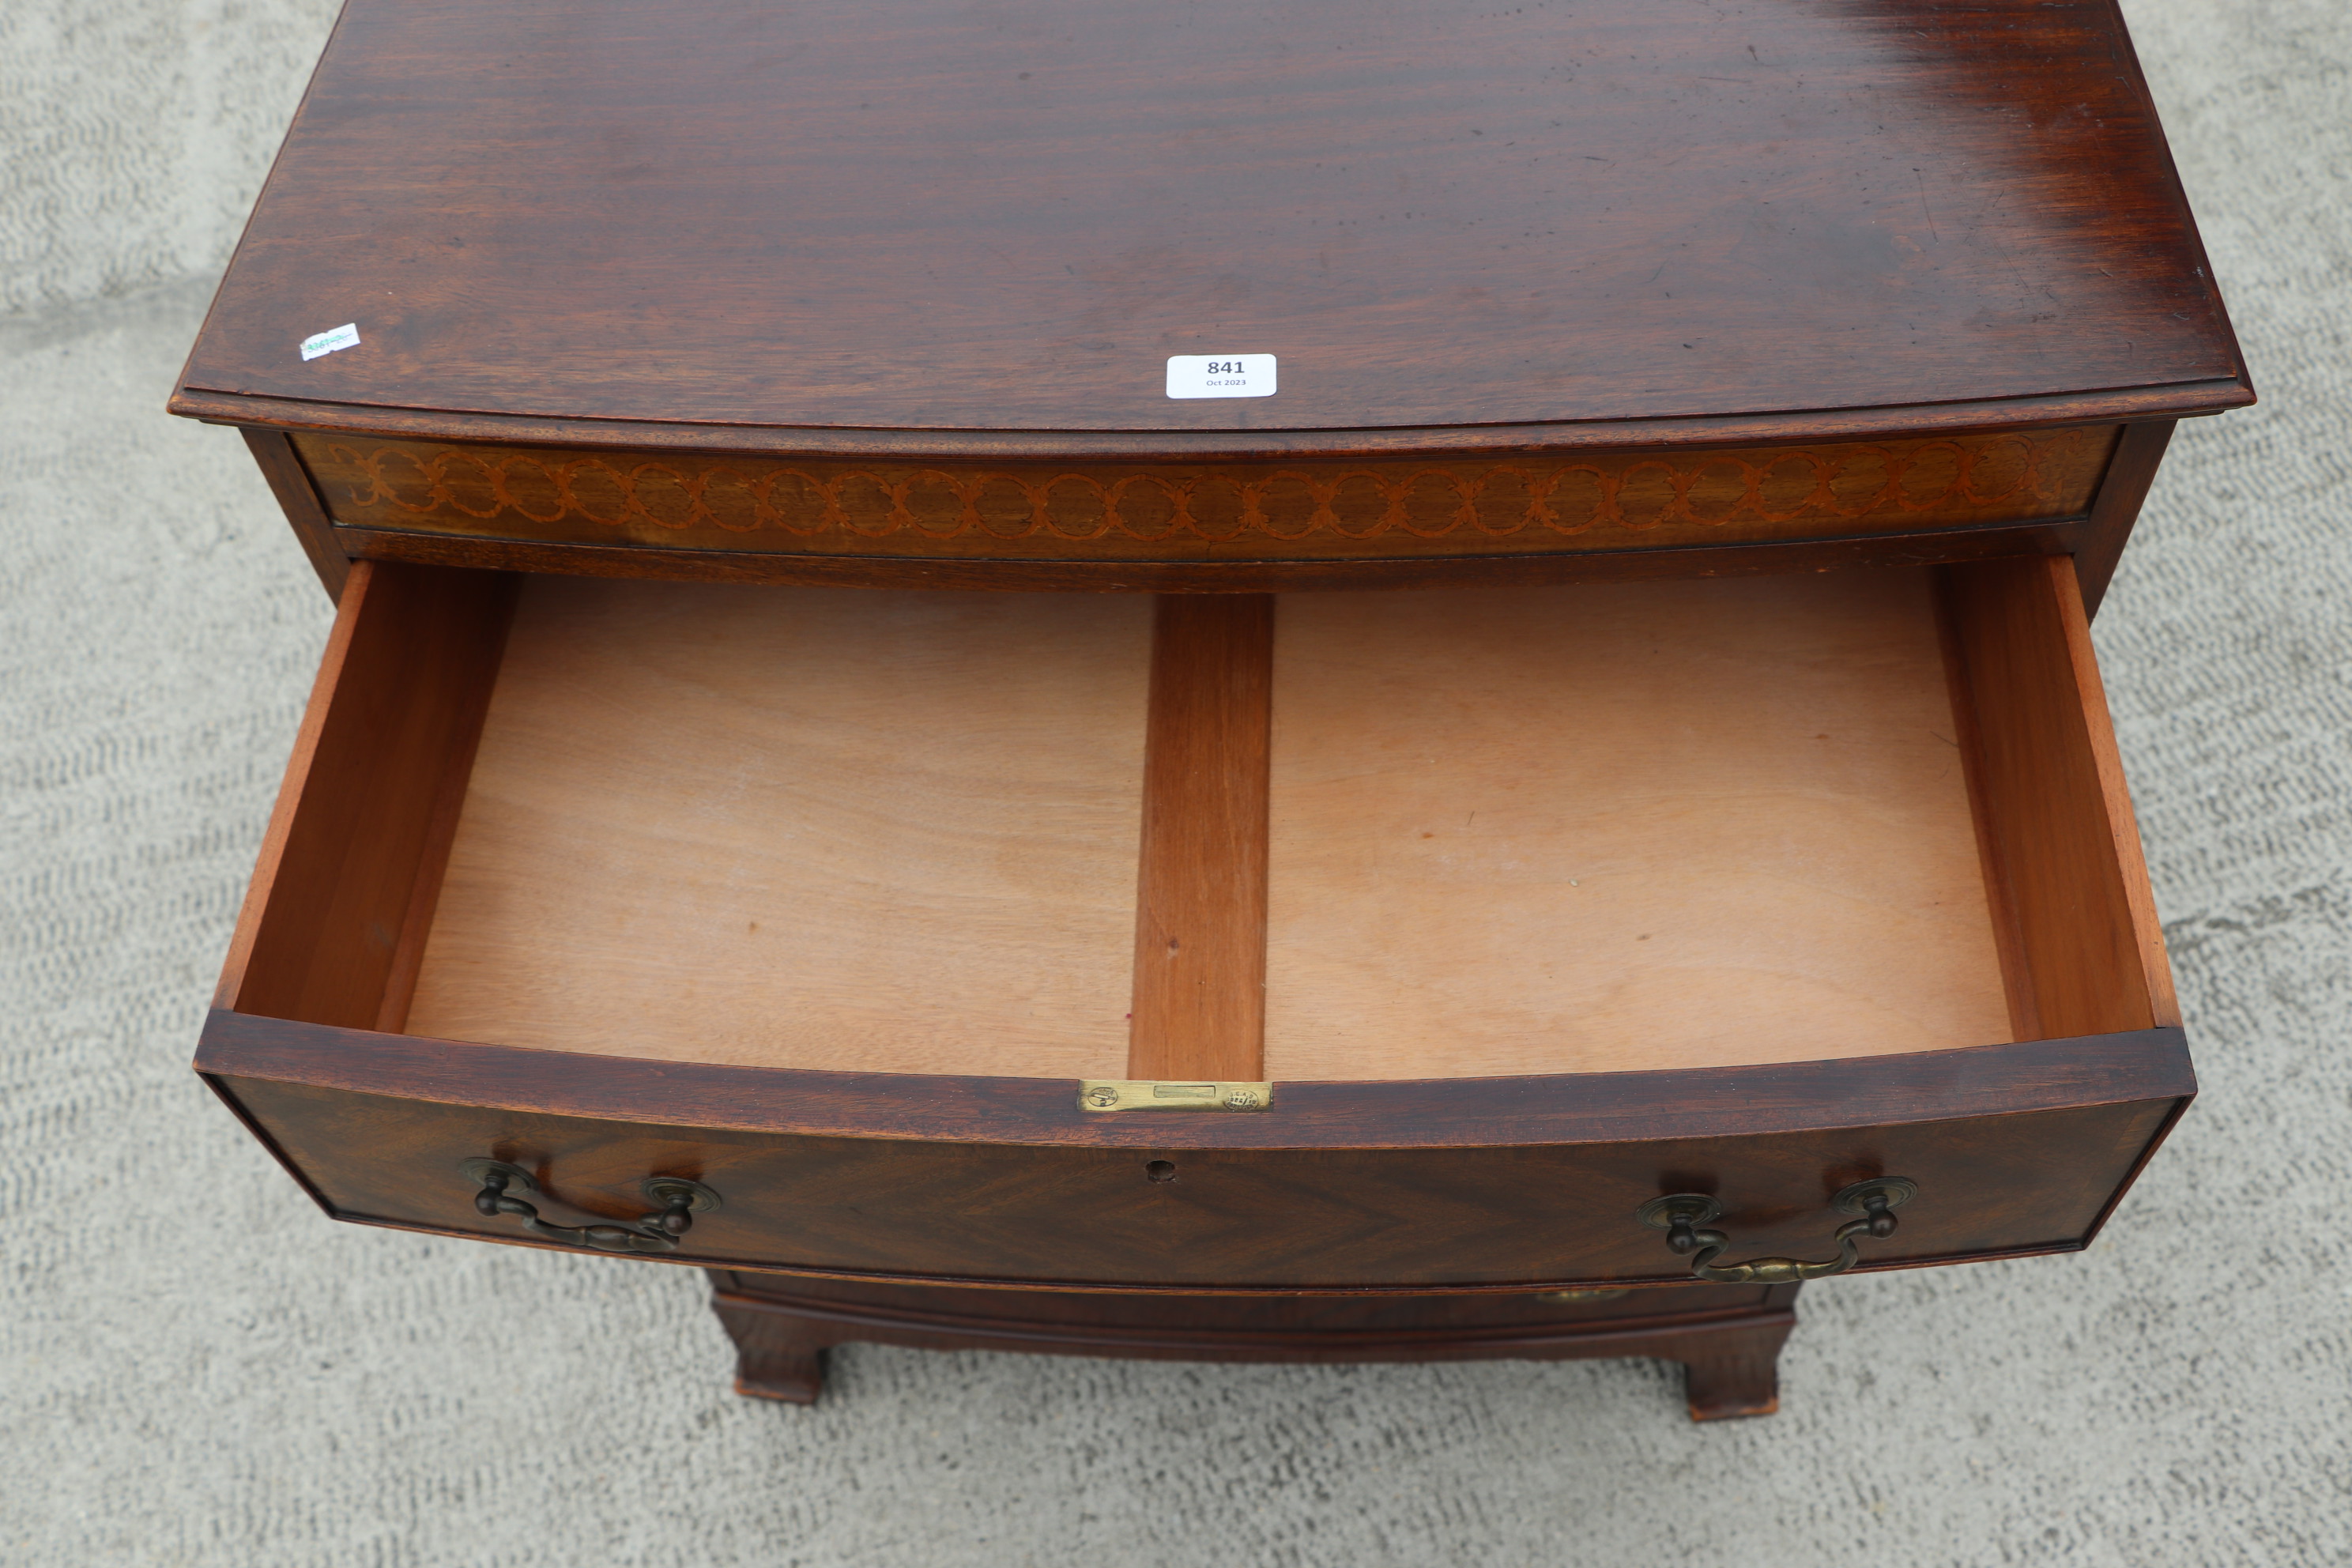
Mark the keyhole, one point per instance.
(1160, 1170)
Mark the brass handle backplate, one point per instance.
(1680, 1214)
(680, 1201)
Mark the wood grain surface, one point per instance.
(1199, 913)
(1897, 422)
(299, 497)
(348, 871)
(1267, 1320)
(1613, 828)
(1728, 1336)
(1347, 1219)
(2060, 833)
(1002, 217)
(802, 828)
(2130, 471)
(982, 575)
(1770, 1099)
(1308, 509)
(1511, 831)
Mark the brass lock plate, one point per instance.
(1172, 1094)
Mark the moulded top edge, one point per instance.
(2186, 400)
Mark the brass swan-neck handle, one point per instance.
(679, 1198)
(1680, 1216)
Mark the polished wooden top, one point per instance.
(799, 223)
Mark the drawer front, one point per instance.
(1146, 1315)
(1078, 1201)
(1306, 510)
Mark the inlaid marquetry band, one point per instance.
(1588, 500)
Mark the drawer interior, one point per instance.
(1649, 824)
(796, 828)
(1351, 836)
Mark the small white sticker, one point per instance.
(1220, 376)
(346, 336)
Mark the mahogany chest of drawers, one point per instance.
(1297, 681)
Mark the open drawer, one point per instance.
(1479, 919)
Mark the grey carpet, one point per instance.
(199, 1369)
